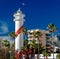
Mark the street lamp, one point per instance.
(5, 51)
(10, 53)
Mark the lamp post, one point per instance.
(10, 53)
(5, 51)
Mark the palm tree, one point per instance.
(58, 56)
(38, 35)
(45, 53)
(6, 43)
(24, 31)
(25, 42)
(52, 28)
(34, 46)
(12, 34)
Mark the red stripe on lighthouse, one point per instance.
(19, 30)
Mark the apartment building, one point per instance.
(42, 39)
(0, 42)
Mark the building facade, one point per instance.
(42, 39)
(49, 46)
(0, 42)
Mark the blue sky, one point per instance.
(39, 13)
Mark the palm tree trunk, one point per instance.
(34, 53)
(38, 49)
(53, 51)
(52, 44)
(46, 57)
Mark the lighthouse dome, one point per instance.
(18, 15)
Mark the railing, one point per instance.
(42, 57)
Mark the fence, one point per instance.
(42, 57)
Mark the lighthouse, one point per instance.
(19, 21)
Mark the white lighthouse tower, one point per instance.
(19, 21)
